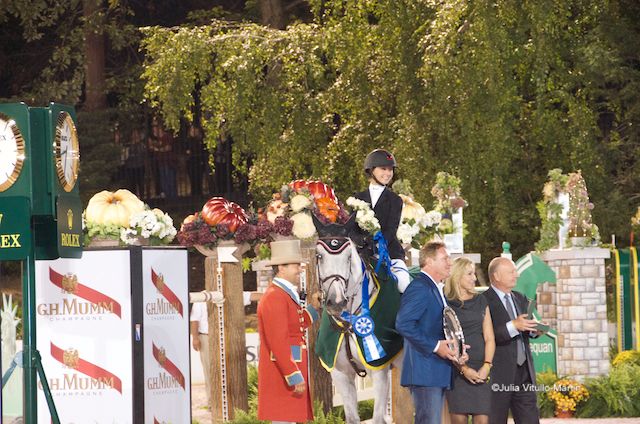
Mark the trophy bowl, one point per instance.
(453, 331)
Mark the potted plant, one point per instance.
(566, 394)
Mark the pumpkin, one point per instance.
(113, 208)
(318, 189)
(328, 208)
(411, 209)
(219, 210)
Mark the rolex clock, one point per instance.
(66, 151)
(11, 152)
(56, 202)
(15, 182)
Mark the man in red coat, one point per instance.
(283, 389)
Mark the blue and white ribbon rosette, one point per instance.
(363, 326)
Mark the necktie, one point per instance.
(520, 344)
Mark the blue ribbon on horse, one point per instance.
(383, 254)
(363, 325)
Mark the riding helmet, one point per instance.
(379, 158)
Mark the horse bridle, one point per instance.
(335, 245)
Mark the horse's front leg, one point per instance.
(381, 391)
(343, 376)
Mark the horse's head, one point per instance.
(339, 266)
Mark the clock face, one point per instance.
(66, 151)
(11, 152)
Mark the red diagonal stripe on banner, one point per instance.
(87, 368)
(168, 365)
(166, 292)
(87, 293)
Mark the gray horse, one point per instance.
(341, 274)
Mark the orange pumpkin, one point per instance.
(219, 210)
(317, 189)
(328, 208)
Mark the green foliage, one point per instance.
(494, 93)
(546, 405)
(614, 395)
(99, 155)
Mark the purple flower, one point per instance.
(263, 229)
(283, 226)
(246, 233)
(222, 231)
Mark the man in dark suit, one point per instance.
(427, 366)
(513, 378)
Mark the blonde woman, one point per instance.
(470, 394)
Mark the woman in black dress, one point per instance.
(471, 395)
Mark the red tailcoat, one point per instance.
(283, 356)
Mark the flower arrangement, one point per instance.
(151, 224)
(579, 214)
(417, 226)
(580, 224)
(550, 210)
(365, 217)
(120, 218)
(287, 215)
(566, 394)
(446, 192)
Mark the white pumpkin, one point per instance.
(411, 209)
(116, 208)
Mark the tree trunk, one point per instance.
(94, 49)
(272, 13)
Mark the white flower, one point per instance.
(149, 224)
(406, 232)
(300, 202)
(357, 203)
(303, 227)
(365, 217)
(128, 235)
(275, 209)
(431, 219)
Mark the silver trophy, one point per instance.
(453, 331)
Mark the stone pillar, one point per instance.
(576, 306)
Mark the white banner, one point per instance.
(84, 335)
(167, 383)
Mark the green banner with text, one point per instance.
(15, 229)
